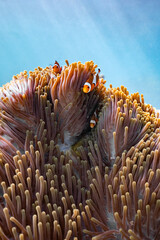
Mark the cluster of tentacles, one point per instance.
(62, 180)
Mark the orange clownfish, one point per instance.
(91, 83)
(94, 120)
(56, 68)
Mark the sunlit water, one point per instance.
(121, 36)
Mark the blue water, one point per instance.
(122, 37)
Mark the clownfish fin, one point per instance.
(56, 63)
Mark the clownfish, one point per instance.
(91, 83)
(94, 120)
(56, 68)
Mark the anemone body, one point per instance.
(62, 180)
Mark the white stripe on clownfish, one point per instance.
(93, 121)
(94, 80)
(88, 84)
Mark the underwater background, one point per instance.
(122, 37)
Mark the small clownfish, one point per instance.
(56, 68)
(91, 83)
(94, 120)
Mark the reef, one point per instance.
(61, 179)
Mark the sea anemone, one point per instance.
(59, 178)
